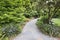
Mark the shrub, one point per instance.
(9, 29)
(31, 14)
(11, 14)
(48, 29)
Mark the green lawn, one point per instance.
(56, 21)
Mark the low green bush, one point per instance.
(31, 14)
(48, 29)
(10, 29)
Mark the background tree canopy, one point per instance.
(49, 9)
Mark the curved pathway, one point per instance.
(31, 32)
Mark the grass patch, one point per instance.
(56, 21)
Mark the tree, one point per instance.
(49, 8)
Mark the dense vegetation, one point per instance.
(51, 10)
(13, 14)
(11, 17)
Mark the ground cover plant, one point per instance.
(53, 30)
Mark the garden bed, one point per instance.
(48, 29)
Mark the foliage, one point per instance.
(43, 7)
(11, 14)
(8, 30)
(49, 29)
(31, 10)
(32, 14)
(9, 10)
(49, 9)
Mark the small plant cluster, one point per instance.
(31, 14)
(48, 29)
(8, 30)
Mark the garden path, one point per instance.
(31, 32)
